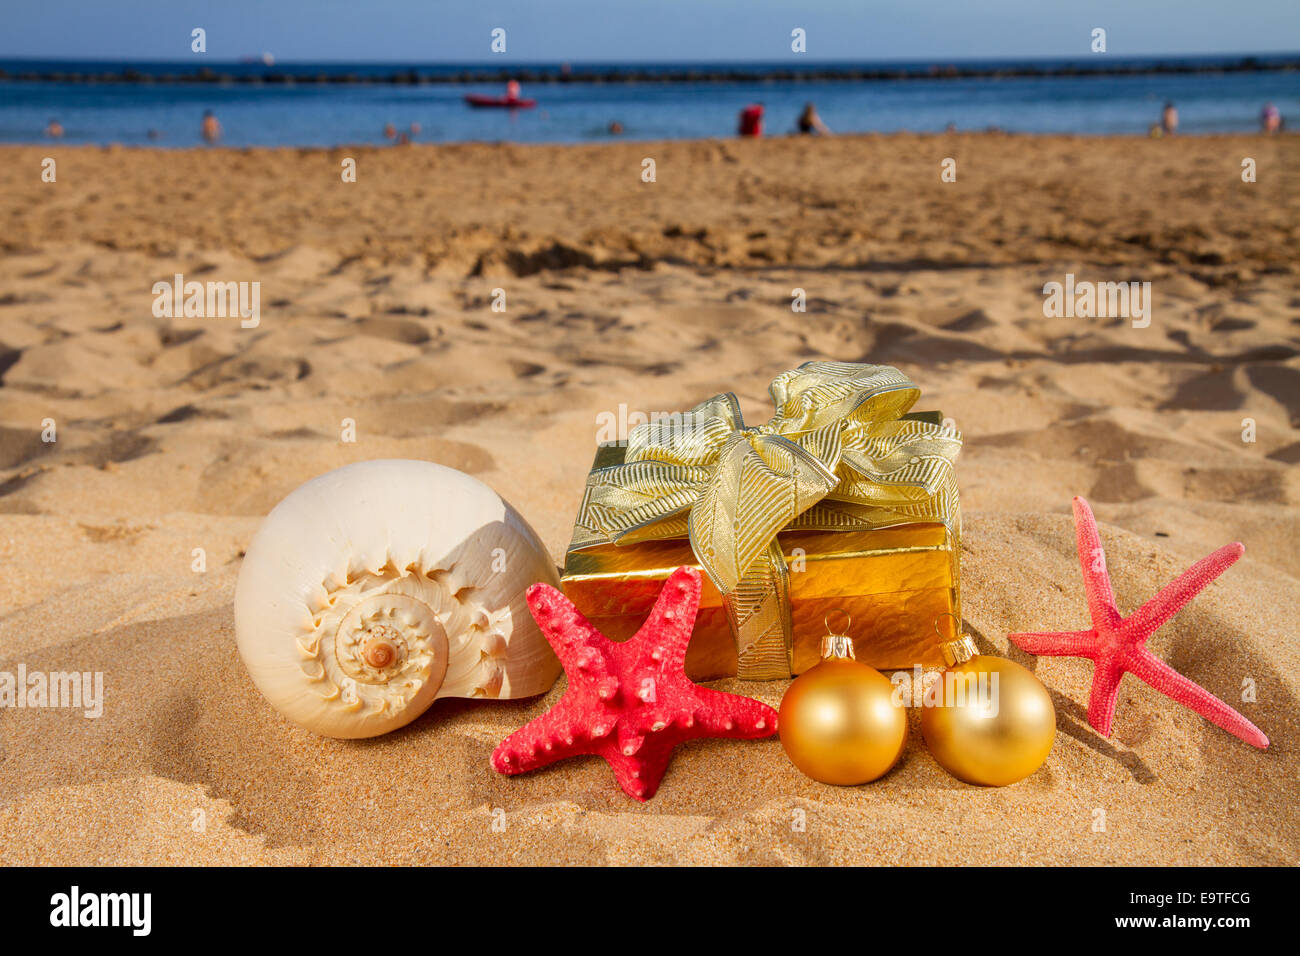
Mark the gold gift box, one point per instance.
(898, 585)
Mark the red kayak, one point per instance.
(510, 102)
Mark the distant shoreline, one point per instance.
(446, 147)
(252, 74)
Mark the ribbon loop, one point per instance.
(837, 453)
(689, 438)
(759, 485)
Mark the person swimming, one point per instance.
(810, 122)
(1169, 119)
(54, 129)
(210, 128)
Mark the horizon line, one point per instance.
(252, 59)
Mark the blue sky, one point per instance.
(622, 31)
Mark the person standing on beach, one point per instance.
(751, 120)
(210, 128)
(810, 122)
(1270, 119)
(1169, 119)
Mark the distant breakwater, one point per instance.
(243, 75)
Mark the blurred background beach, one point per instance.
(483, 296)
(298, 73)
(329, 104)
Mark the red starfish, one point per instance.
(1117, 644)
(630, 703)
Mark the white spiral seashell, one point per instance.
(375, 589)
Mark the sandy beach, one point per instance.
(377, 306)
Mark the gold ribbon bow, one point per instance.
(837, 455)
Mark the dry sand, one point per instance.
(175, 434)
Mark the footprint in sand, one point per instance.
(20, 445)
(394, 330)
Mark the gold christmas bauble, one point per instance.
(839, 722)
(988, 721)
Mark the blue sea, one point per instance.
(285, 105)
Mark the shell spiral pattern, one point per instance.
(375, 589)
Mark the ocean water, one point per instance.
(337, 113)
